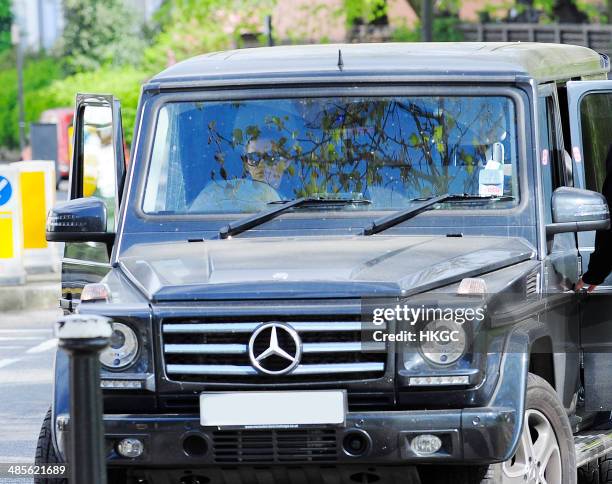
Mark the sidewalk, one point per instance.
(42, 291)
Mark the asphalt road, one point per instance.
(27, 349)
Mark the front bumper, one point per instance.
(479, 435)
(469, 436)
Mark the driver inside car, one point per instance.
(263, 172)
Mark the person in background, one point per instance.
(600, 263)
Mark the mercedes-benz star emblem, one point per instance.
(275, 349)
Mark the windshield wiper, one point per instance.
(395, 218)
(425, 204)
(259, 218)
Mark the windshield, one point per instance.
(243, 156)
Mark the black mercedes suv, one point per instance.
(345, 263)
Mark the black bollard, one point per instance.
(83, 337)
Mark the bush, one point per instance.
(192, 27)
(445, 29)
(6, 20)
(45, 89)
(124, 83)
(99, 33)
(38, 73)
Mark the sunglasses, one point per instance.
(254, 159)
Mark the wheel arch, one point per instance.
(541, 360)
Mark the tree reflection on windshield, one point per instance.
(215, 157)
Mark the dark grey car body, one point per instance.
(163, 270)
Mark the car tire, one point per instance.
(589, 473)
(605, 469)
(45, 451)
(544, 411)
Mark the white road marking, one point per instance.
(8, 361)
(44, 346)
(25, 331)
(21, 338)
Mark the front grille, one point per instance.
(265, 446)
(213, 350)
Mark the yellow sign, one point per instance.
(11, 242)
(6, 235)
(33, 209)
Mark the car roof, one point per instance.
(455, 61)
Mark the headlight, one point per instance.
(443, 342)
(123, 348)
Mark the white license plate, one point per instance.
(273, 409)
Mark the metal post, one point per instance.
(17, 40)
(427, 20)
(83, 337)
(41, 25)
(268, 30)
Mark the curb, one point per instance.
(38, 294)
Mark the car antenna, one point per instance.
(340, 61)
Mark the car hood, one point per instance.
(327, 267)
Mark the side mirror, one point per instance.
(577, 210)
(79, 220)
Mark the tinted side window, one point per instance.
(596, 123)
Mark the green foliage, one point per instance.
(45, 88)
(101, 52)
(38, 73)
(6, 19)
(7, 59)
(491, 12)
(97, 33)
(595, 13)
(191, 27)
(446, 7)
(124, 83)
(445, 29)
(363, 10)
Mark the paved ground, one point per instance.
(62, 192)
(27, 347)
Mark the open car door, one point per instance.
(97, 170)
(590, 116)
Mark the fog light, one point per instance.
(130, 448)
(356, 443)
(426, 444)
(129, 384)
(426, 381)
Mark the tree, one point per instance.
(371, 11)
(6, 20)
(441, 7)
(99, 32)
(368, 11)
(191, 27)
